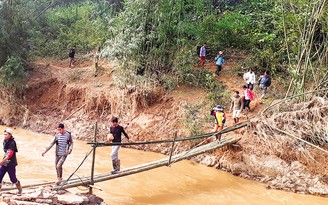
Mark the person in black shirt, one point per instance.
(115, 135)
(9, 162)
(71, 56)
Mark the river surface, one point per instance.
(182, 183)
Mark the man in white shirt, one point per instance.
(249, 77)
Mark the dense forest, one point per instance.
(157, 39)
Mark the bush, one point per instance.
(12, 73)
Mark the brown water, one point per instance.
(183, 183)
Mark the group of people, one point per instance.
(64, 146)
(263, 82)
(239, 102)
(219, 60)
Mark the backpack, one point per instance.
(265, 80)
(71, 53)
(251, 94)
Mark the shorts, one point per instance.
(202, 58)
(263, 86)
(235, 113)
(220, 125)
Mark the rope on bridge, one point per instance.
(86, 156)
(226, 130)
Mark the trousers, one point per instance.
(114, 153)
(11, 172)
(59, 165)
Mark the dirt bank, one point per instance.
(76, 97)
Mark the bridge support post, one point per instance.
(172, 148)
(93, 159)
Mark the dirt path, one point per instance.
(229, 76)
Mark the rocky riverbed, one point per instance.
(42, 196)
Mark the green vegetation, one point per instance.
(156, 40)
(193, 119)
(12, 72)
(73, 24)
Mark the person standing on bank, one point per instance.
(64, 146)
(71, 56)
(202, 55)
(264, 83)
(236, 106)
(9, 161)
(219, 62)
(249, 77)
(220, 119)
(248, 96)
(115, 135)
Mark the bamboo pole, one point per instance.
(291, 97)
(299, 138)
(4, 188)
(75, 111)
(93, 160)
(172, 148)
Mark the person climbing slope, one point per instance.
(264, 83)
(202, 55)
(248, 96)
(71, 56)
(220, 119)
(236, 106)
(249, 77)
(219, 62)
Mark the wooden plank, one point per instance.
(85, 181)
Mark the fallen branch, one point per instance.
(75, 112)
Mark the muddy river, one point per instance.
(182, 183)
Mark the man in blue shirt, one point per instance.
(219, 62)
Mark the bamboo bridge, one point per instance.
(89, 181)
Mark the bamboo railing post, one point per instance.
(172, 148)
(93, 159)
